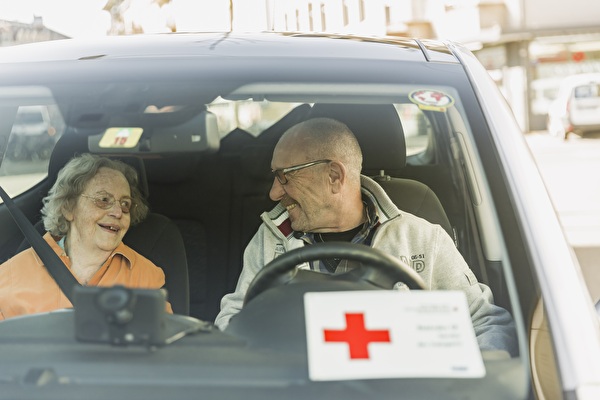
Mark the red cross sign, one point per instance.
(387, 334)
(357, 336)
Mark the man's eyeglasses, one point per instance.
(106, 201)
(281, 173)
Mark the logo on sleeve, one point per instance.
(417, 262)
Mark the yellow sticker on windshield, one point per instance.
(121, 138)
(432, 100)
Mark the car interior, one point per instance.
(206, 198)
(205, 206)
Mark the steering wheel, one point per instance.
(378, 268)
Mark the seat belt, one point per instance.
(57, 269)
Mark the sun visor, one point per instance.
(199, 134)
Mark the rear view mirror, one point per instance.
(199, 134)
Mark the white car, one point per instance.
(576, 108)
(199, 115)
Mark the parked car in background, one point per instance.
(198, 115)
(576, 108)
(33, 135)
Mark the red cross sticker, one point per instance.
(357, 336)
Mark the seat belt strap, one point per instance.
(57, 269)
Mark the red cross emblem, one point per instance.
(357, 336)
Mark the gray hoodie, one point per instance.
(427, 248)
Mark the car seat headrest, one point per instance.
(257, 155)
(377, 128)
(72, 144)
(67, 146)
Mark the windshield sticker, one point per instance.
(418, 334)
(121, 138)
(432, 100)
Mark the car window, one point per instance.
(251, 116)
(34, 130)
(586, 91)
(255, 117)
(417, 128)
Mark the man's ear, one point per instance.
(337, 176)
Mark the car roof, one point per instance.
(234, 45)
(233, 59)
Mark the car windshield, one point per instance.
(250, 109)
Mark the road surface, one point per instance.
(570, 170)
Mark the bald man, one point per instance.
(322, 197)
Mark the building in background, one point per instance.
(161, 16)
(13, 33)
(528, 46)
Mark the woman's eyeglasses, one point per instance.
(281, 173)
(106, 201)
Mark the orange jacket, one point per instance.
(26, 287)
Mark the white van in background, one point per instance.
(577, 106)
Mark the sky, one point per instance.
(85, 18)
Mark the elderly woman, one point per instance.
(86, 214)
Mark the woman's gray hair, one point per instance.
(72, 180)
